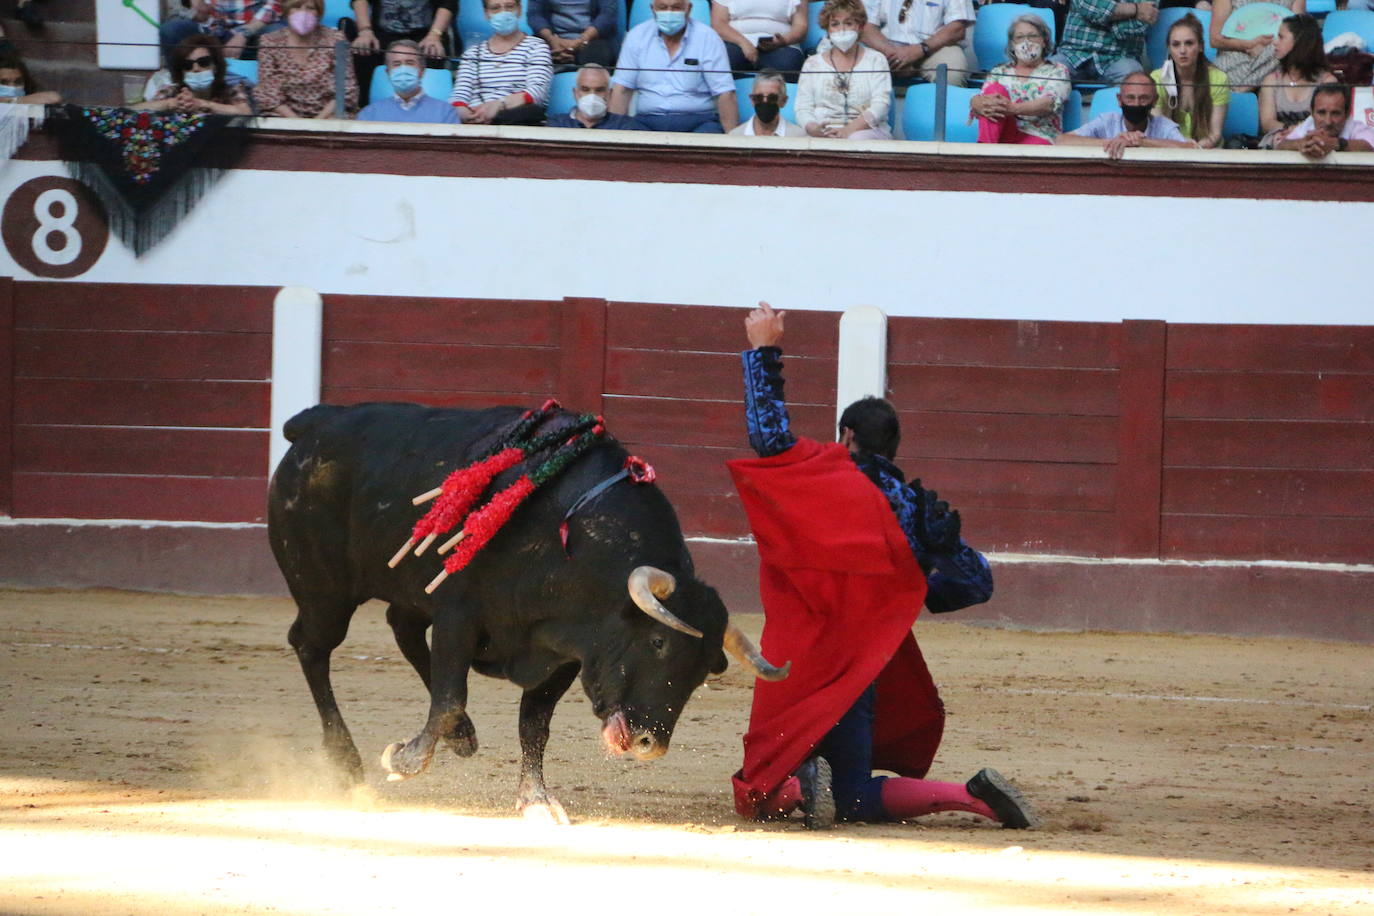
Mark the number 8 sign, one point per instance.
(54, 227)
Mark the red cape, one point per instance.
(841, 590)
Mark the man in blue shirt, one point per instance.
(1133, 125)
(681, 72)
(591, 98)
(404, 66)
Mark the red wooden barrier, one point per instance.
(6, 395)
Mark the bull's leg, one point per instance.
(451, 656)
(536, 710)
(409, 626)
(317, 632)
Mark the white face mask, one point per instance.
(591, 105)
(1027, 50)
(844, 40)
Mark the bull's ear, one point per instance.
(720, 664)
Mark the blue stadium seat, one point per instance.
(334, 10)
(814, 33)
(434, 81)
(640, 12)
(472, 23)
(990, 30)
(918, 117)
(560, 93)
(1073, 111)
(1157, 38)
(746, 107)
(1320, 7)
(248, 69)
(1104, 100)
(1361, 22)
(1242, 115)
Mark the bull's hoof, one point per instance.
(463, 739)
(402, 761)
(546, 812)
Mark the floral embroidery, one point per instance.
(143, 136)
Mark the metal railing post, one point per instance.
(340, 62)
(941, 100)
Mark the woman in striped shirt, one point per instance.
(505, 79)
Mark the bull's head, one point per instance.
(638, 688)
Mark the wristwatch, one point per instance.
(925, 49)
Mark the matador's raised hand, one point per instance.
(764, 326)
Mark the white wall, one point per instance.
(965, 254)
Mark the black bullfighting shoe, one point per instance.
(818, 801)
(1005, 800)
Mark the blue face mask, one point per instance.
(198, 80)
(504, 22)
(670, 22)
(11, 92)
(404, 78)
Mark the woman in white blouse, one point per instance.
(761, 34)
(845, 90)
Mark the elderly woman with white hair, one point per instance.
(1023, 99)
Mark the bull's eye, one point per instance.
(657, 643)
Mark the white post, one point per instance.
(297, 345)
(863, 356)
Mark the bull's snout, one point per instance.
(645, 746)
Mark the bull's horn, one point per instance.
(647, 585)
(748, 655)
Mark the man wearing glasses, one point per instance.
(916, 36)
(769, 95)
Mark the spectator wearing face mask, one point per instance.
(505, 79)
(200, 84)
(1133, 125)
(591, 95)
(238, 24)
(1329, 129)
(680, 71)
(405, 61)
(844, 91)
(296, 67)
(768, 95)
(16, 84)
(1023, 100)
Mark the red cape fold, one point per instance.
(841, 590)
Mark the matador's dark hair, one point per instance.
(875, 426)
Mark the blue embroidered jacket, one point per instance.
(954, 580)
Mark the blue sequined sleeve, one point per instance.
(765, 409)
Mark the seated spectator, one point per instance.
(1246, 61)
(1285, 97)
(1023, 100)
(577, 31)
(296, 67)
(1133, 125)
(1191, 92)
(768, 95)
(916, 36)
(238, 24)
(405, 65)
(1329, 128)
(592, 95)
(200, 84)
(761, 34)
(505, 79)
(1104, 40)
(846, 89)
(379, 24)
(679, 69)
(16, 83)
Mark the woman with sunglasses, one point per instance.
(199, 83)
(845, 91)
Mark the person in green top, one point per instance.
(1193, 93)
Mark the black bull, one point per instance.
(622, 608)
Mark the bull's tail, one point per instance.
(307, 420)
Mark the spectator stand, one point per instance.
(560, 93)
(1361, 22)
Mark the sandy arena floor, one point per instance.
(160, 755)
